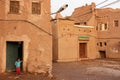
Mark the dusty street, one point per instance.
(88, 70)
(24, 76)
(108, 69)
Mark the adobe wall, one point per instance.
(91, 42)
(67, 41)
(68, 48)
(113, 49)
(37, 50)
(54, 40)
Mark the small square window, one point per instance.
(97, 44)
(14, 7)
(36, 8)
(85, 23)
(116, 23)
(105, 43)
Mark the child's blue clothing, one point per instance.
(17, 64)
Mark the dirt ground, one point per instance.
(24, 76)
(105, 69)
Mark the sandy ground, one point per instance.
(107, 69)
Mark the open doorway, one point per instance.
(102, 54)
(14, 50)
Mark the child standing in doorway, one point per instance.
(18, 64)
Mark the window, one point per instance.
(36, 8)
(105, 43)
(85, 23)
(100, 44)
(100, 26)
(97, 44)
(96, 27)
(77, 23)
(103, 26)
(116, 23)
(14, 7)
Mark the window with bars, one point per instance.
(14, 7)
(36, 8)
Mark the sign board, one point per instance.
(83, 37)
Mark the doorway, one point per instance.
(102, 54)
(83, 50)
(14, 50)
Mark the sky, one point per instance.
(72, 4)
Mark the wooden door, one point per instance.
(82, 50)
(14, 50)
(11, 55)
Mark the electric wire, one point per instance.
(114, 2)
(88, 12)
(101, 2)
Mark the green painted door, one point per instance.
(11, 55)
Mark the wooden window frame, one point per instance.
(36, 8)
(14, 7)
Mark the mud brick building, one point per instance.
(73, 42)
(106, 21)
(88, 33)
(25, 32)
